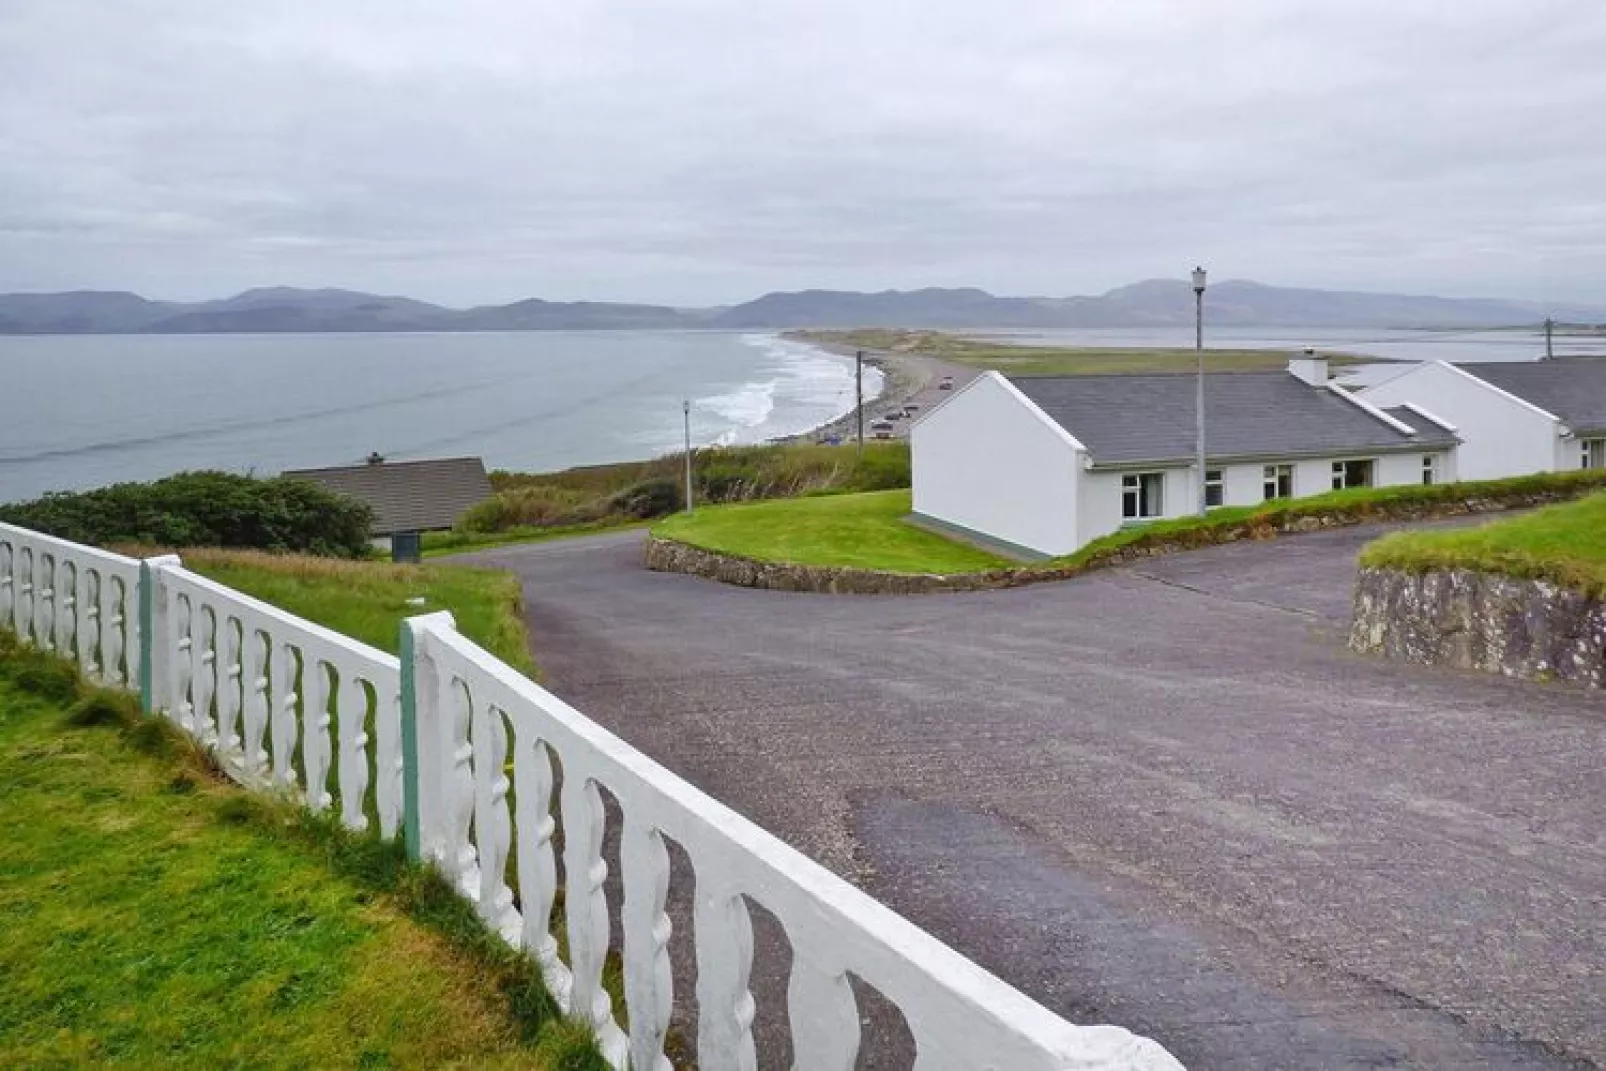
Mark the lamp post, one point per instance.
(1199, 408)
(685, 407)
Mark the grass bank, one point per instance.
(856, 531)
(1564, 545)
(1021, 360)
(368, 600)
(154, 916)
(869, 531)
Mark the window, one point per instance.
(1141, 495)
(1279, 481)
(1430, 470)
(1592, 454)
(1215, 488)
(1352, 474)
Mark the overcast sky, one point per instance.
(703, 151)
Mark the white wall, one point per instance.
(987, 459)
(1500, 435)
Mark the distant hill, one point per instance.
(1156, 302)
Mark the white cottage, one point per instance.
(1040, 466)
(1514, 418)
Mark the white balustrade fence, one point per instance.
(464, 756)
(76, 601)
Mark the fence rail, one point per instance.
(483, 772)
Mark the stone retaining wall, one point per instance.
(671, 556)
(1470, 620)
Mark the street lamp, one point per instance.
(1198, 408)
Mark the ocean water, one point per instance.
(84, 411)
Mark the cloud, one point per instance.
(704, 150)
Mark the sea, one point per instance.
(83, 411)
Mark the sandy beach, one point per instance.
(907, 379)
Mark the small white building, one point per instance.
(1514, 418)
(1040, 466)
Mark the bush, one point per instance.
(205, 509)
(648, 499)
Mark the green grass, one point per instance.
(866, 531)
(368, 600)
(1564, 545)
(152, 916)
(1026, 360)
(869, 531)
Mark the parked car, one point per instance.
(947, 383)
(911, 409)
(881, 429)
(896, 414)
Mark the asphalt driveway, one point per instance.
(1166, 797)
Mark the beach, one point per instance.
(907, 379)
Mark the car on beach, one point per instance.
(881, 429)
(947, 383)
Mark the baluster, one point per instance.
(492, 825)
(203, 674)
(353, 763)
(538, 873)
(44, 622)
(649, 986)
(724, 964)
(116, 632)
(180, 620)
(66, 609)
(457, 804)
(586, 905)
(23, 621)
(8, 582)
(256, 702)
(824, 1014)
(230, 696)
(91, 651)
(284, 727)
(315, 733)
(387, 760)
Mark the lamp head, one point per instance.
(1198, 280)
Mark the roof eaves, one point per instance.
(1372, 410)
(1280, 455)
(1500, 391)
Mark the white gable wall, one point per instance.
(1501, 435)
(988, 460)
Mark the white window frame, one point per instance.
(1135, 496)
(1215, 488)
(1272, 479)
(1430, 469)
(1592, 453)
(1341, 472)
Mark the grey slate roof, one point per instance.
(409, 496)
(1128, 419)
(1573, 388)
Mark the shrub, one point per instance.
(210, 509)
(648, 499)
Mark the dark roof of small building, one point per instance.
(1571, 388)
(1406, 415)
(1130, 419)
(409, 496)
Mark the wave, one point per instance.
(749, 405)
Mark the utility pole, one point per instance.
(858, 392)
(685, 407)
(1198, 405)
(1550, 330)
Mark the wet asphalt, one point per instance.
(1165, 796)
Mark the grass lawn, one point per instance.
(1027, 360)
(146, 918)
(368, 600)
(1563, 544)
(865, 530)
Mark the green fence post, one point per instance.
(409, 744)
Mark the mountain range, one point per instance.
(1157, 302)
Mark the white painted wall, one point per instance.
(1501, 435)
(989, 460)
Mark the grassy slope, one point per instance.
(854, 530)
(139, 924)
(1563, 544)
(368, 600)
(868, 531)
(1059, 360)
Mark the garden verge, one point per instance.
(828, 545)
(1525, 597)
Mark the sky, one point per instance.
(706, 151)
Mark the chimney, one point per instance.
(1309, 368)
